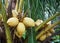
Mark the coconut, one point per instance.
(12, 21)
(52, 30)
(28, 22)
(48, 34)
(14, 13)
(20, 29)
(38, 22)
(43, 37)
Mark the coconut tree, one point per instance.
(45, 10)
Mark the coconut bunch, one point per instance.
(47, 33)
(20, 24)
(25, 23)
(44, 36)
(19, 21)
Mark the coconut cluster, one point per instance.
(44, 36)
(26, 22)
(20, 25)
(48, 33)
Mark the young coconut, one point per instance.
(48, 34)
(38, 22)
(52, 30)
(12, 21)
(28, 22)
(20, 29)
(43, 37)
(14, 13)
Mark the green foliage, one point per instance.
(56, 38)
(24, 35)
(31, 35)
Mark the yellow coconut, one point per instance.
(29, 22)
(43, 37)
(52, 30)
(48, 34)
(20, 29)
(12, 21)
(14, 13)
(38, 22)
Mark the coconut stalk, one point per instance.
(7, 31)
(20, 6)
(42, 24)
(16, 8)
(6, 3)
(47, 28)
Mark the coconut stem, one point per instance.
(42, 24)
(20, 6)
(6, 3)
(47, 28)
(16, 7)
(7, 31)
